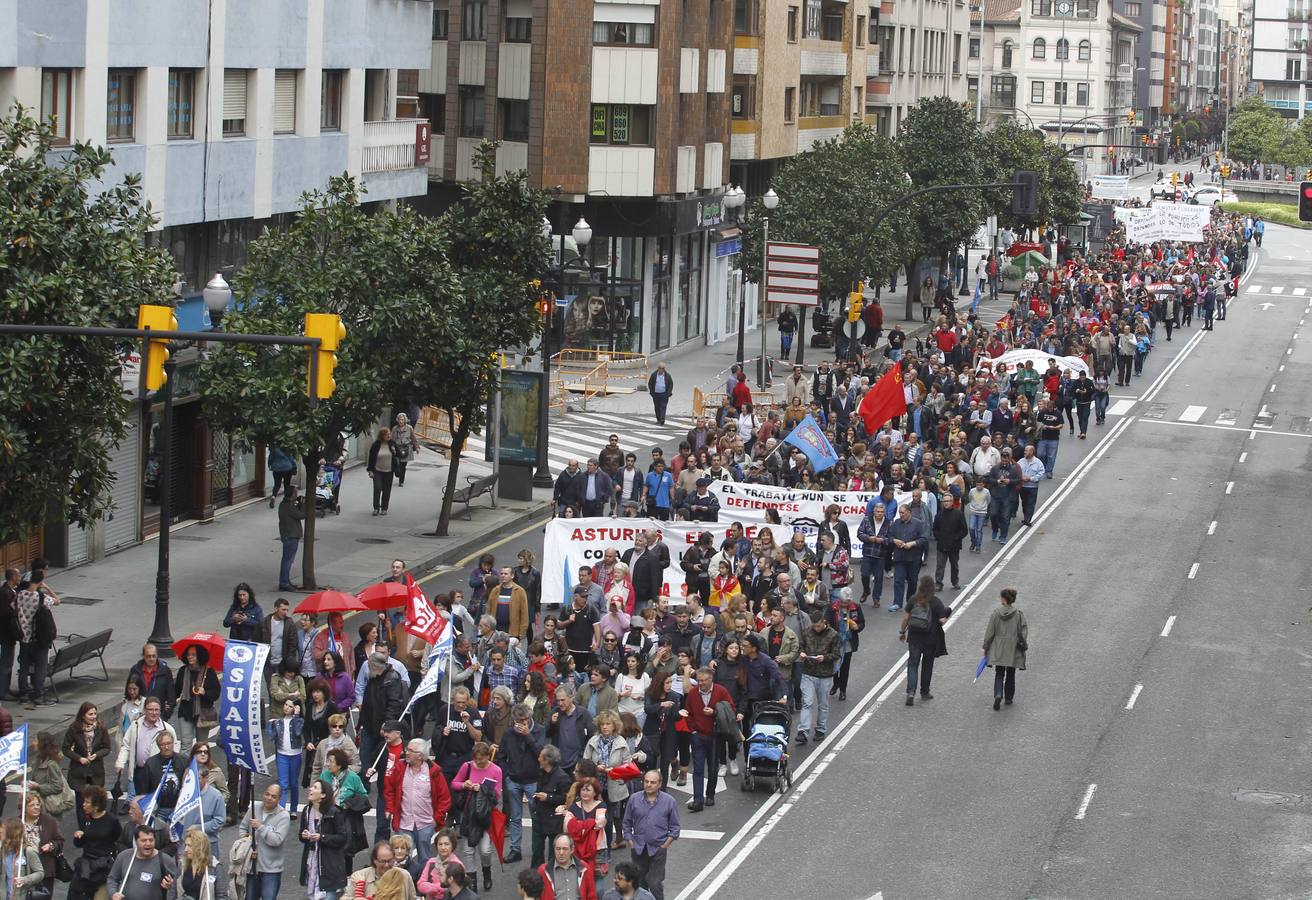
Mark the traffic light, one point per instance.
(1225, 170)
(330, 331)
(1129, 117)
(1025, 195)
(1175, 179)
(854, 301)
(156, 354)
(1144, 140)
(1305, 202)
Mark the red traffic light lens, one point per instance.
(1307, 193)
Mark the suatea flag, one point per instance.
(808, 438)
(883, 401)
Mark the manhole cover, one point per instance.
(81, 601)
(1268, 798)
(372, 541)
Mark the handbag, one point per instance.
(121, 803)
(39, 892)
(63, 871)
(60, 803)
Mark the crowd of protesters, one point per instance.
(581, 716)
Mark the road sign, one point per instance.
(792, 274)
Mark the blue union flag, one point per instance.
(810, 439)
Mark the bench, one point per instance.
(78, 649)
(477, 487)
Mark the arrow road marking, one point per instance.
(1265, 306)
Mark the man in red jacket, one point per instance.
(417, 798)
(565, 869)
(699, 712)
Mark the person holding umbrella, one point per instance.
(1006, 638)
(197, 688)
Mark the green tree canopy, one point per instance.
(72, 252)
(1257, 131)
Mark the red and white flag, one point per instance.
(421, 618)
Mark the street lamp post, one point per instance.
(734, 198)
(770, 201)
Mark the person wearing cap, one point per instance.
(704, 506)
(950, 530)
(417, 799)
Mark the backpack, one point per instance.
(43, 625)
(921, 617)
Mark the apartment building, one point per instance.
(924, 51)
(1282, 54)
(1207, 89)
(1064, 67)
(229, 110)
(1149, 61)
(621, 110)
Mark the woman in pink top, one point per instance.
(430, 879)
(471, 777)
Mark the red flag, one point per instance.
(883, 401)
(421, 619)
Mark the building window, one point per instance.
(330, 100)
(1085, 51)
(860, 31)
(1086, 9)
(873, 30)
(407, 93)
(121, 105)
(1036, 91)
(742, 100)
(441, 24)
(1059, 95)
(1040, 7)
(621, 123)
(811, 27)
(744, 16)
(1082, 93)
(1063, 48)
(1293, 70)
(473, 22)
(634, 34)
(433, 108)
(284, 101)
(519, 30)
(181, 103)
(514, 120)
(858, 104)
(792, 24)
(1040, 48)
(57, 103)
(1002, 91)
(1133, 10)
(974, 48)
(234, 102)
(471, 111)
(1006, 54)
(790, 104)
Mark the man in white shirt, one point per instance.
(985, 457)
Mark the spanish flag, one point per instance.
(883, 401)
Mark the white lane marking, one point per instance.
(701, 835)
(1229, 486)
(1263, 428)
(1084, 804)
(1172, 366)
(1243, 457)
(1192, 413)
(749, 836)
(1298, 292)
(1252, 434)
(1271, 389)
(1193, 571)
(1287, 353)
(1278, 289)
(1255, 289)
(1170, 623)
(1134, 696)
(1120, 407)
(1282, 367)
(1211, 529)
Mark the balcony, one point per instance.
(391, 146)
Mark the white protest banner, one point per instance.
(1111, 187)
(1169, 222)
(1124, 214)
(573, 543)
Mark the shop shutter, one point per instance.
(123, 523)
(284, 101)
(234, 94)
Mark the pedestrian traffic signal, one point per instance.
(1129, 117)
(854, 306)
(1025, 194)
(1225, 170)
(330, 331)
(156, 350)
(1305, 202)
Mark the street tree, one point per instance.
(387, 274)
(1012, 148)
(828, 197)
(72, 252)
(1257, 131)
(498, 254)
(941, 144)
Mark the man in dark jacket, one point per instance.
(518, 757)
(9, 630)
(384, 699)
(646, 571)
(660, 385)
(561, 495)
(290, 532)
(591, 491)
(907, 534)
(154, 673)
(949, 530)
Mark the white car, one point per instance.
(1211, 194)
(1163, 189)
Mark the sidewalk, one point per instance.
(207, 561)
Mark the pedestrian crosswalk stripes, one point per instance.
(581, 435)
(1278, 289)
(1255, 289)
(1192, 413)
(1120, 407)
(1299, 292)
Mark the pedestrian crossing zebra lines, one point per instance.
(1264, 419)
(581, 435)
(1276, 289)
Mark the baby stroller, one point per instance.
(328, 489)
(766, 746)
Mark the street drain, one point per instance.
(1269, 798)
(372, 541)
(81, 601)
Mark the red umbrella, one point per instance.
(384, 595)
(496, 830)
(330, 601)
(211, 643)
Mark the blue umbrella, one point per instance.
(983, 664)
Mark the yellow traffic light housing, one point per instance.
(330, 331)
(156, 350)
(854, 302)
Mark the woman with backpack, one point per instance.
(922, 630)
(1006, 638)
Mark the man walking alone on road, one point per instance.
(660, 386)
(290, 532)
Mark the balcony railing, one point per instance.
(389, 146)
